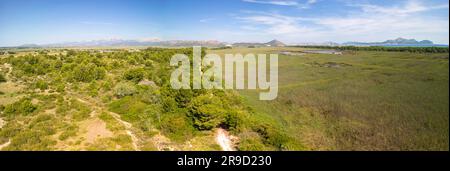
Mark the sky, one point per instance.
(290, 21)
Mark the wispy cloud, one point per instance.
(274, 23)
(295, 3)
(365, 22)
(274, 2)
(96, 23)
(205, 20)
(388, 19)
(412, 6)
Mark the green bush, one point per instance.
(82, 111)
(272, 135)
(176, 126)
(130, 108)
(21, 107)
(60, 88)
(87, 73)
(32, 65)
(135, 75)
(150, 96)
(233, 120)
(30, 139)
(123, 89)
(206, 111)
(62, 107)
(106, 85)
(92, 89)
(41, 84)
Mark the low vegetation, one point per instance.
(433, 49)
(363, 99)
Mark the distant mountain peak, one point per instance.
(275, 42)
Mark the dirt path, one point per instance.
(160, 141)
(116, 116)
(128, 128)
(225, 140)
(5, 144)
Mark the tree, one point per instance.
(206, 111)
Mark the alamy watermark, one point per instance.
(207, 72)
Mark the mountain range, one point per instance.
(215, 43)
(399, 41)
(121, 42)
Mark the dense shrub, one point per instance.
(176, 126)
(92, 89)
(178, 114)
(32, 65)
(21, 107)
(206, 112)
(41, 84)
(233, 120)
(130, 108)
(87, 73)
(135, 75)
(272, 135)
(82, 111)
(123, 89)
(60, 87)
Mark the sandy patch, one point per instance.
(95, 128)
(10, 87)
(50, 111)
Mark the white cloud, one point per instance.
(275, 24)
(205, 20)
(273, 2)
(412, 6)
(380, 22)
(311, 1)
(367, 23)
(295, 3)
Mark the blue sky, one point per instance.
(291, 21)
